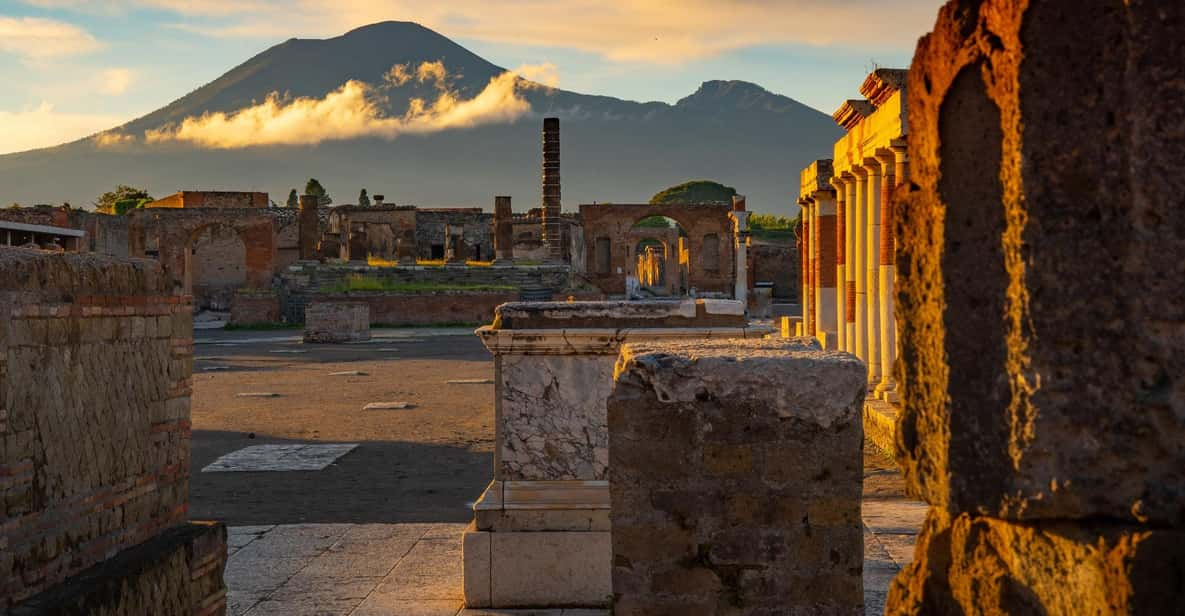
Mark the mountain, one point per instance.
(612, 149)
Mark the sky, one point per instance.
(75, 67)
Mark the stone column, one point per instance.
(840, 276)
(1041, 312)
(740, 220)
(552, 207)
(860, 240)
(807, 299)
(872, 270)
(309, 229)
(825, 269)
(851, 265)
(503, 231)
(887, 388)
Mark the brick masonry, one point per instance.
(735, 474)
(337, 321)
(96, 355)
(439, 308)
(254, 306)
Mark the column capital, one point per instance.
(823, 194)
(887, 158)
(872, 166)
(861, 173)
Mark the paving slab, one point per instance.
(280, 458)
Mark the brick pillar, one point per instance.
(851, 264)
(722, 493)
(552, 236)
(503, 231)
(872, 271)
(825, 269)
(310, 227)
(1041, 310)
(840, 276)
(860, 275)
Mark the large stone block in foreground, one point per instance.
(980, 565)
(1041, 292)
(337, 322)
(735, 479)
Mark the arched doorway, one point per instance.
(659, 255)
(215, 266)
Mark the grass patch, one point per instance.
(258, 327)
(361, 283)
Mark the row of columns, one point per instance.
(848, 264)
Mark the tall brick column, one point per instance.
(887, 388)
(841, 292)
(552, 235)
(872, 270)
(310, 227)
(503, 231)
(825, 257)
(726, 497)
(1042, 308)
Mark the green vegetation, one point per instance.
(363, 198)
(313, 187)
(121, 200)
(357, 282)
(772, 228)
(695, 191)
(293, 200)
(656, 222)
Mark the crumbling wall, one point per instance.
(1041, 309)
(477, 232)
(95, 364)
(776, 263)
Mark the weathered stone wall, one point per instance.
(95, 364)
(301, 283)
(250, 306)
(335, 321)
(1041, 309)
(428, 308)
(735, 474)
(477, 232)
(213, 199)
(776, 263)
(177, 573)
(614, 221)
(218, 266)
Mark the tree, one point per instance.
(106, 201)
(123, 206)
(293, 200)
(695, 191)
(363, 198)
(313, 187)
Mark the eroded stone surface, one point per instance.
(735, 479)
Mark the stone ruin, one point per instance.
(95, 383)
(336, 322)
(1041, 310)
(541, 528)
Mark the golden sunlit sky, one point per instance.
(74, 67)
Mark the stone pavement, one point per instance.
(414, 569)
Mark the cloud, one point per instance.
(113, 139)
(37, 38)
(115, 81)
(351, 111)
(44, 127)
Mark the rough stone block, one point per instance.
(475, 554)
(337, 322)
(758, 509)
(980, 565)
(546, 568)
(1040, 294)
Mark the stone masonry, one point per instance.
(95, 364)
(1041, 310)
(337, 322)
(735, 479)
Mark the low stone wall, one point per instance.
(439, 308)
(331, 321)
(96, 355)
(250, 306)
(303, 282)
(177, 573)
(735, 478)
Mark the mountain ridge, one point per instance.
(659, 138)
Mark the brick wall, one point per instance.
(735, 474)
(337, 321)
(776, 263)
(95, 364)
(251, 306)
(442, 307)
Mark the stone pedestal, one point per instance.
(540, 535)
(1041, 310)
(337, 322)
(763, 299)
(736, 475)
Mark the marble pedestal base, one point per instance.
(539, 544)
